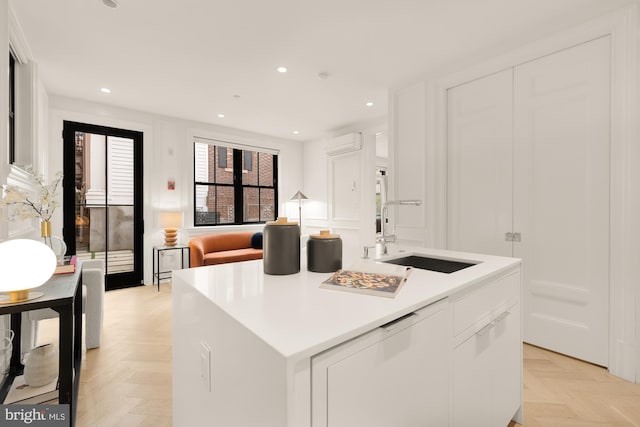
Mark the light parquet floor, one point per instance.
(127, 381)
(563, 392)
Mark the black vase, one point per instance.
(281, 247)
(324, 252)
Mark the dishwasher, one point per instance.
(394, 375)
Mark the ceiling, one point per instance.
(195, 59)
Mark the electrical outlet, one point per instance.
(205, 366)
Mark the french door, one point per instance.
(528, 176)
(103, 199)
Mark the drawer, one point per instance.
(479, 307)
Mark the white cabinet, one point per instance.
(396, 375)
(487, 358)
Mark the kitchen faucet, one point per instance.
(385, 238)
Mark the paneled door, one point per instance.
(561, 152)
(479, 173)
(528, 176)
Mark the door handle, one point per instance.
(512, 237)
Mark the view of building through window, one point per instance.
(233, 186)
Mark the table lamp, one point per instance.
(24, 264)
(299, 196)
(170, 221)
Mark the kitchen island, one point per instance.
(251, 349)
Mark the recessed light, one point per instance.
(105, 90)
(282, 69)
(221, 115)
(296, 132)
(110, 3)
(370, 104)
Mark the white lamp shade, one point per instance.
(169, 219)
(25, 264)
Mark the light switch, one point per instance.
(205, 366)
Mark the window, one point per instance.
(234, 186)
(12, 108)
(222, 157)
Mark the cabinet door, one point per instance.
(479, 181)
(507, 365)
(472, 371)
(386, 378)
(561, 137)
(487, 373)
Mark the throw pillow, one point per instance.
(256, 240)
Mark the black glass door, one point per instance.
(103, 199)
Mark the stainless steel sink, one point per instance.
(432, 264)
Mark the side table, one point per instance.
(158, 273)
(62, 293)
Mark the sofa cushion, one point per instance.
(233, 255)
(256, 240)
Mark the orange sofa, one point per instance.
(221, 248)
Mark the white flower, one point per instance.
(22, 205)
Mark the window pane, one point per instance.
(206, 205)
(224, 205)
(251, 205)
(267, 204)
(214, 205)
(249, 176)
(265, 162)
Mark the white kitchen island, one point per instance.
(251, 349)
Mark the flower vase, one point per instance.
(45, 232)
(56, 244)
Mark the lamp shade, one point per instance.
(24, 264)
(169, 219)
(299, 196)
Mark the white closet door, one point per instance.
(479, 181)
(561, 202)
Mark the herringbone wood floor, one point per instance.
(127, 381)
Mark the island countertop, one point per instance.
(297, 318)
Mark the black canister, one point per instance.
(281, 247)
(324, 252)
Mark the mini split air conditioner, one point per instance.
(344, 144)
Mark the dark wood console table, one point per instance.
(62, 293)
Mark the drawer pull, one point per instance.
(395, 324)
(485, 329)
(502, 316)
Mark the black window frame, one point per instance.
(238, 186)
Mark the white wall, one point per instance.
(168, 153)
